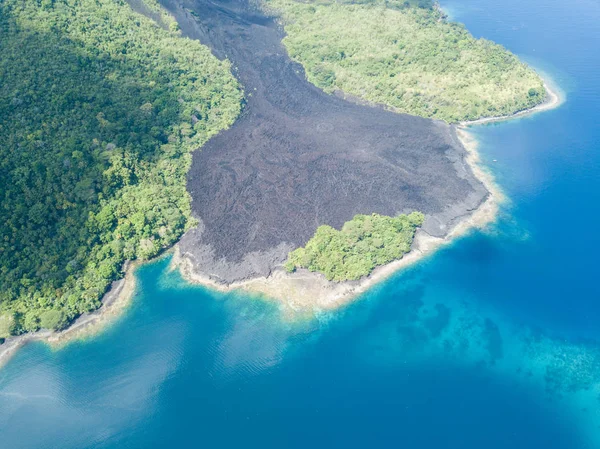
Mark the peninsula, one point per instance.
(99, 158)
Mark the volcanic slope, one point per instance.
(298, 158)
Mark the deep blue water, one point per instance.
(479, 346)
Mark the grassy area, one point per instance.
(362, 244)
(101, 108)
(407, 56)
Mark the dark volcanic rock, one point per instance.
(298, 158)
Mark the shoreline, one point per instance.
(305, 291)
(552, 101)
(302, 291)
(114, 302)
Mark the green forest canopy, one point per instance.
(100, 110)
(363, 243)
(406, 57)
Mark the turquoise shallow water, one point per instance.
(492, 342)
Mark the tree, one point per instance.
(31, 321)
(53, 320)
(363, 243)
(7, 325)
(96, 142)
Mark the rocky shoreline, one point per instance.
(307, 292)
(304, 291)
(256, 266)
(243, 244)
(298, 158)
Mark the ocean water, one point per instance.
(490, 343)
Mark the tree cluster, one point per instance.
(101, 108)
(363, 243)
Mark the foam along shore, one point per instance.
(304, 291)
(113, 304)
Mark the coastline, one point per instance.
(304, 291)
(114, 302)
(552, 101)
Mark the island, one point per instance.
(246, 134)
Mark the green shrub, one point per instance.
(31, 321)
(7, 325)
(53, 319)
(362, 244)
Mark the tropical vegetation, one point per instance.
(362, 244)
(101, 107)
(405, 55)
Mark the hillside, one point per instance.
(407, 56)
(101, 108)
(298, 158)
